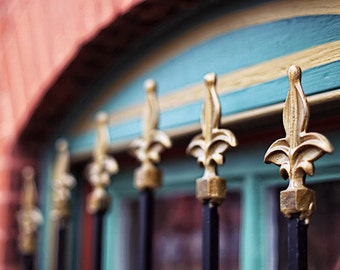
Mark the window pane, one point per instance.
(178, 233)
(323, 230)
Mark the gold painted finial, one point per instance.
(210, 146)
(101, 169)
(148, 148)
(29, 216)
(296, 152)
(62, 182)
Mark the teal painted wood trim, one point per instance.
(315, 80)
(111, 236)
(250, 253)
(44, 252)
(255, 234)
(232, 51)
(241, 48)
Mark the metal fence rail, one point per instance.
(294, 154)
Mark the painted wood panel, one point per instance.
(251, 63)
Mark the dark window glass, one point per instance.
(323, 230)
(178, 233)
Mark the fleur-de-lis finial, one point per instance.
(210, 146)
(101, 169)
(29, 216)
(62, 182)
(147, 149)
(296, 152)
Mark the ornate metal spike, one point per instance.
(101, 169)
(148, 148)
(209, 146)
(29, 216)
(63, 182)
(296, 152)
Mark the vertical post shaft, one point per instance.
(210, 245)
(61, 247)
(297, 243)
(146, 216)
(98, 240)
(28, 261)
(210, 188)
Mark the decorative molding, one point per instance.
(101, 169)
(29, 216)
(147, 149)
(296, 152)
(240, 79)
(237, 118)
(209, 146)
(232, 82)
(261, 14)
(62, 182)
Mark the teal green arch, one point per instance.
(224, 54)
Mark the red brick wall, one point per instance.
(37, 39)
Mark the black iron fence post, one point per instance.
(295, 155)
(297, 243)
(29, 219)
(61, 246)
(98, 239)
(99, 173)
(209, 148)
(146, 210)
(210, 236)
(62, 184)
(28, 261)
(148, 177)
